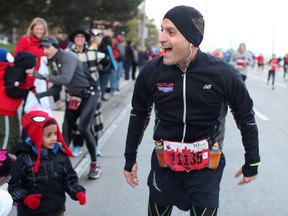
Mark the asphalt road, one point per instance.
(266, 196)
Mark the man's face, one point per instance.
(176, 48)
(50, 51)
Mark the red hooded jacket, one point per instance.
(8, 106)
(30, 44)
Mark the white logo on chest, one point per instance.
(207, 86)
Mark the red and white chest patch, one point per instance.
(165, 87)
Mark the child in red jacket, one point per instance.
(13, 89)
(43, 172)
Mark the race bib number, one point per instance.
(186, 156)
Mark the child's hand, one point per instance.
(33, 201)
(29, 71)
(81, 196)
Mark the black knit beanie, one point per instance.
(179, 16)
(25, 60)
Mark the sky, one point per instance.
(260, 24)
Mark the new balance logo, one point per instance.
(207, 86)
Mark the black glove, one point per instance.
(249, 171)
(38, 75)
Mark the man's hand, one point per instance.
(245, 180)
(131, 177)
(37, 75)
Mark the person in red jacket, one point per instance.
(13, 88)
(30, 42)
(260, 62)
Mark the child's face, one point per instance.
(49, 137)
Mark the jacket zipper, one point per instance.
(184, 106)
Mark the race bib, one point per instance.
(186, 156)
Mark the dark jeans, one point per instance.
(271, 73)
(127, 67)
(134, 69)
(104, 77)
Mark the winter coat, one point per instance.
(13, 89)
(55, 177)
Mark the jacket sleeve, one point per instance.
(139, 119)
(72, 186)
(68, 67)
(250, 59)
(16, 185)
(12, 82)
(54, 89)
(110, 53)
(21, 45)
(241, 106)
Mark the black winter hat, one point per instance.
(83, 31)
(25, 60)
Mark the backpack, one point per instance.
(119, 51)
(105, 63)
(115, 52)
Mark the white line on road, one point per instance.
(260, 115)
(85, 161)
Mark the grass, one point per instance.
(10, 47)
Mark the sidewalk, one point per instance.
(110, 110)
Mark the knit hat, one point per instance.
(82, 31)
(48, 41)
(25, 60)
(5, 55)
(180, 17)
(5, 163)
(33, 123)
